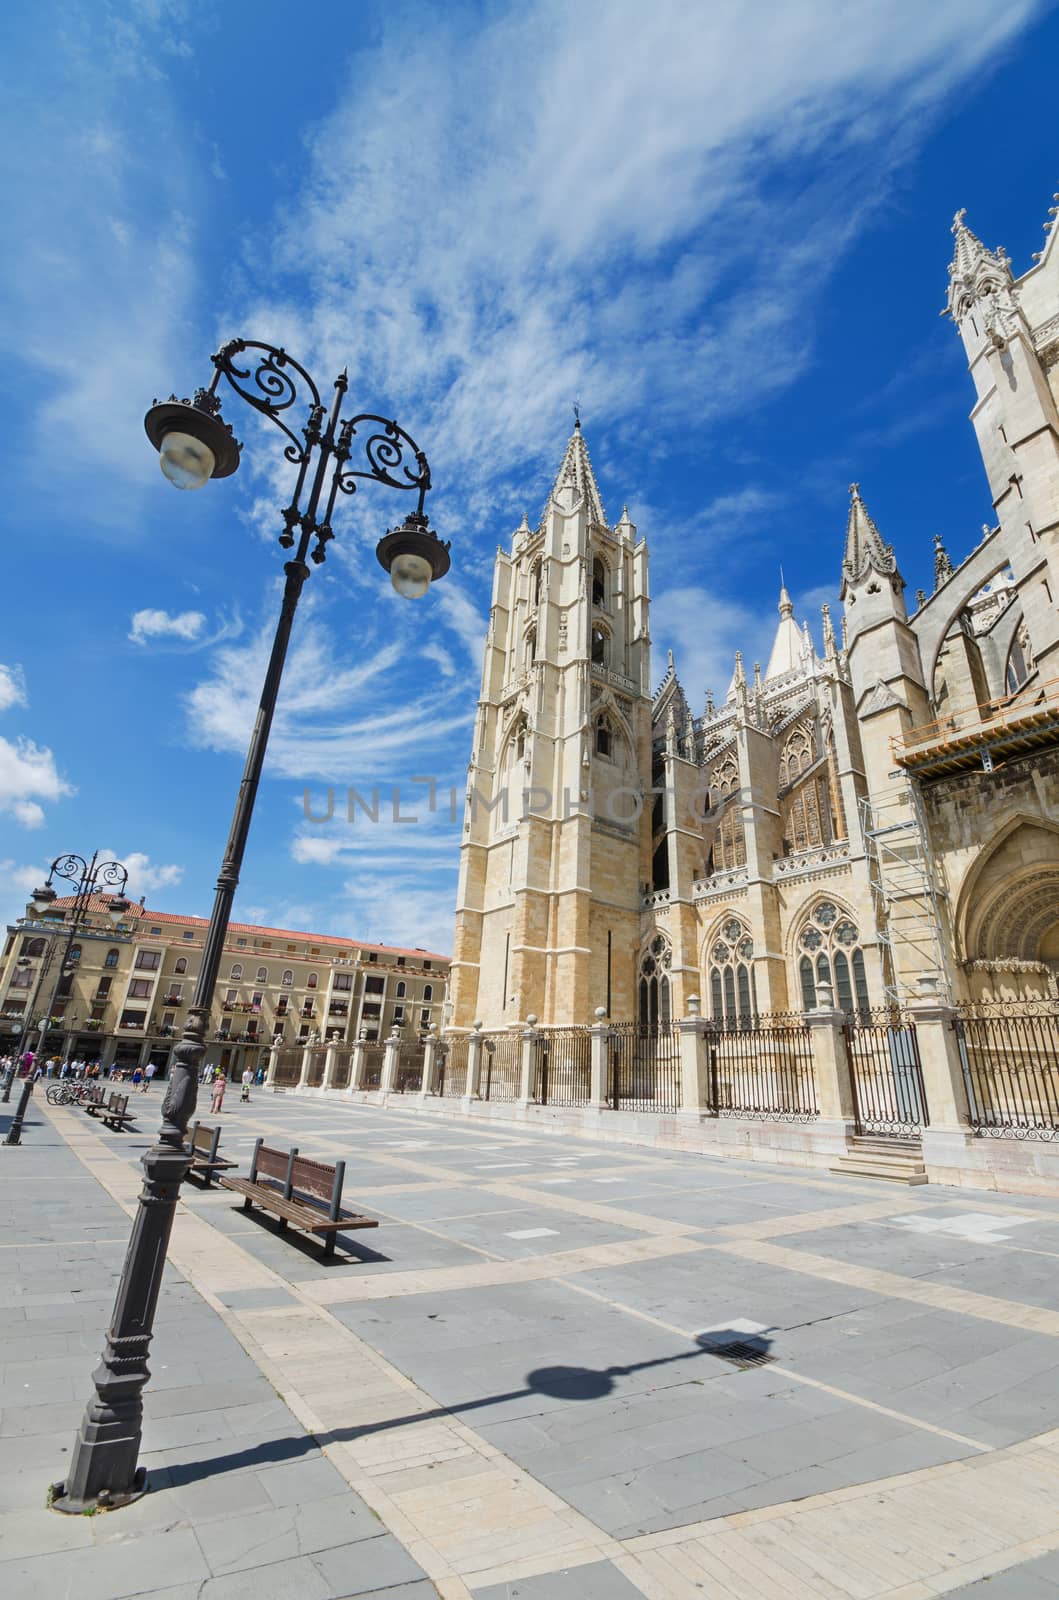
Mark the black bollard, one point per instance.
(14, 1133)
(9, 1078)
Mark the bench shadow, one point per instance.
(558, 1383)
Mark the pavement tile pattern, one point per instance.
(522, 1383)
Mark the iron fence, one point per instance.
(288, 1066)
(644, 1067)
(764, 1069)
(373, 1059)
(452, 1066)
(886, 1075)
(1010, 1055)
(501, 1067)
(563, 1067)
(408, 1078)
(343, 1068)
(317, 1062)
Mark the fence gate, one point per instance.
(563, 1067)
(644, 1067)
(452, 1066)
(408, 1078)
(373, 1054)
(886, 1074)
(501, 1067)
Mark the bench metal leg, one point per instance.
(329, 1247)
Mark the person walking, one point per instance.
(219, 1086)
(148, 1077)
(248, 1078)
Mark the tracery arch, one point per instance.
(654, 982)
(829, 952)
(733, 991)
(729, 844)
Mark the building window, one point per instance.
(103, 988)
(148, 961)
(281, 1005)
(240, 944)
(729, 843)
(140, 988)
(75, 953)
(262, 974)
(733, 992)
(374, 985)
(373, 955)
(401, 991)
(187, 935)
(236, 973)
(428, 992)
(654, 982)
(229, 998)
(22, 978)
(133, 1019)
(426, 966)
(342, 980)
(424, 1017)
(535, 583)
(603, 737)
(398, 1015)
(35, 947)
(529, 653)
(599, 583)
(599, 647)
(168, 1019)
(111, 958)
(310, 982)
(400, 961)
(181, 964)
(173, 993)
(830, 953)
(287, 978)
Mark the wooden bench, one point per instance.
(204, 1158)
(307, 1193)
(92, 1096)
(115, 1114)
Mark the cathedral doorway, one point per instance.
(1009, 915)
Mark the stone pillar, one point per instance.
(939, 1055)
(307, 1061)
(430, 1059)
(356, 1066)
(694, 1061)
(597, 1093)
(108, 1052)
(273, 1066)
(528, 1071)
(389, 1063)
(831, 1075)
(330, 1063)
(472, 1089)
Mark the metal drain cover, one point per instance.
(742, 1353)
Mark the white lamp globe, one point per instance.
(185, 460)
(411, 575)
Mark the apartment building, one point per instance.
(121, 993)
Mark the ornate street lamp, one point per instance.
(195, 444)
(88, 878)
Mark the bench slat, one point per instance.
(306, 1216)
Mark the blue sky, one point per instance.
(723, 227)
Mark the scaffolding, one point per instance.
(905, 893)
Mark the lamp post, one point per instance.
(89, 878)
(195, 445)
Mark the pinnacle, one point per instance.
(865, 549)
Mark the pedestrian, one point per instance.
(148, 1077)
(219, 1085)
(260, 1076)
(137, 1076)
(248, 1078)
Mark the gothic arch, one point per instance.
(1008, 905)
(825, 945)
(934, 621)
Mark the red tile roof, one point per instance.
(101, 902)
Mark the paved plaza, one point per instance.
(558, 1370)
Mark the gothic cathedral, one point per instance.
(876, 821)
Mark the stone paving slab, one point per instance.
(537, 1415)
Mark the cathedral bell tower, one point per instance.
(552, 856)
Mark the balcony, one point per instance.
(983, 736)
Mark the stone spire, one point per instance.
(625, 528)
(576, 480)
(830, 649)
(788, 647)
(865, 550)
(943, 568)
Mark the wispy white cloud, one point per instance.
(145, 875)
(12, 687)
(151, 624)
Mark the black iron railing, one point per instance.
(644, 1067)
(452, 1066)
(408, 1078)
(563, 1067)
(1010, 1054)
(373, 1059)
(288, 1067)
(763, 1069)
(501, 1067)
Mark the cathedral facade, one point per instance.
(854, 826)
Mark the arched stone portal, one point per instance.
(1010, 914)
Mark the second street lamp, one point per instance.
(195, 445)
